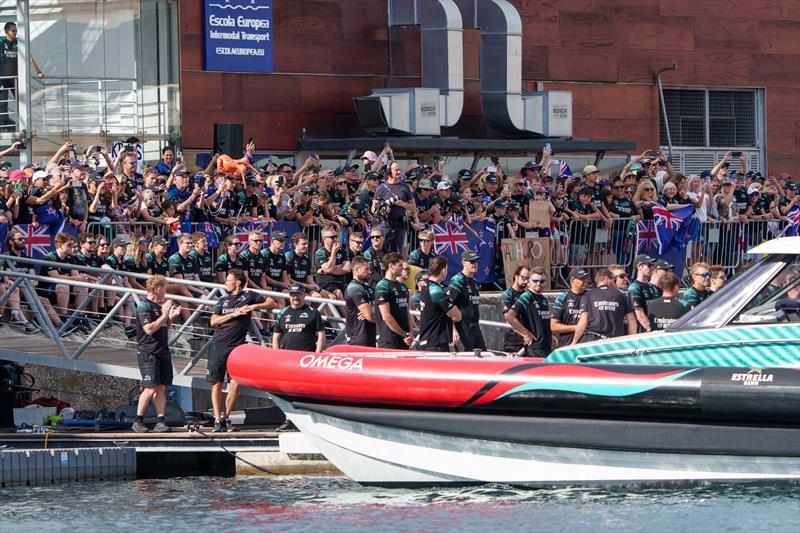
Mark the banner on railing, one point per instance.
(454, 239)
(532, 251)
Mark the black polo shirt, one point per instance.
(435, 326)
(396, 295)
(185, 266)
(567, 310)
(359, 332)
(607, 307)
(233, 332)
(464, 292)
(254, 264)
(299, 266)
(205, 265)
(155, 265)
(226, 264)
(299, 328)
(158, 343)
(276, 264)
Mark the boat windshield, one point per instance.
(741, 292)
(779, 301)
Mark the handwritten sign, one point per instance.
(539, 213)
(533, 251)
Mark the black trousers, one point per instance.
(471, 336)
(9, 85)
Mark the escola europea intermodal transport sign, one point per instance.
(238, 35)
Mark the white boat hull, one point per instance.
(376, 454)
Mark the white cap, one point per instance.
(443, 185)
(753, 189)
(40, 174)
(369, 154)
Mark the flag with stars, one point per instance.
(454, 239)
(38, 240)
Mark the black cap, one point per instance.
(492, 178)
(469, 255)
(158, 239)
(352, 167)
(793, 187)
(372, 176)
(6, 165)
(297, 288)
(501, 205)
(578, 272)
(78, 164)
(425, 184)
(119, 241)
(643, 258)
(180, 172)
(307, 189)
(251, 182)
(514, 206)
(464, 173)
(660, 263)
(419, 275)
(586, 190)
(278, 236)
(338, 171)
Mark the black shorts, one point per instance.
(392, 344)
(471, 336)
(48, 293)
(155, 369)
(332, 287)
(217, 365)
(435, 347)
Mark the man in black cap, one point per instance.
(276, 274)
(394, 322)
(660, 269)
(513, 341)
(426, 203)
(641, 291)
(230, 322)
(605, 311)
(664, 311)
(438, 312)
(530, 316)
(360, 305)
(247, 199)
(567, 306)
(464, 292)
(367, 193)
(298, 326)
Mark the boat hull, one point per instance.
(401, 447)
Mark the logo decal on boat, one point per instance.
(753, 377)
(335, 362)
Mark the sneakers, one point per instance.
(228, 425)
(161, 427)
(24, 324)
(219, 426)
(73, 328)
(130, 331)
(139, 427)
(30, 328)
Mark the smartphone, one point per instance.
(313, 155)
(653, 154)
(548, 148)
(736, 154)
(179, 157)
(18, 188)
(491, 169)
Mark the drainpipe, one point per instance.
(674, 66)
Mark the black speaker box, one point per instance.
(229, 139)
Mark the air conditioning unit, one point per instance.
(549, 113)
(413, 111)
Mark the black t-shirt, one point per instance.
(158, 343)
(400, 190)
(567, 310)
(622, 207)
(607, 308)
(155, 265)
(64, 268)
(78, 201)
(320, 258)
(185, 266)
(8, 57)
(226, 264)
(464, 292)
(245, 204)
(298, 266)
(299, 328)
(740, 196)
(511, 339)
(534, 313)
(375, 259)
(421, 259)
(663, 312)
(255, 264)
(88, 260)
(233, 332)
(359, 332)
(396, 295)
(276, 265)
(116, 264)
(205, 265)
(435, 327)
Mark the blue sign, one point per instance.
(238, 35)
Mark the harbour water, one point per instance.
(337, 504)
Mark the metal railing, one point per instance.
(8, 102)
(597, 243)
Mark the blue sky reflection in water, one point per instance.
(337, 504)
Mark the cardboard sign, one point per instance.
(539, 213)
(530, 252)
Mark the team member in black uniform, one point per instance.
(181, 264)
(374, 255)
(436, 331)
(605, 311)
(153, 317)
(701, 281)
(229, 260)
(394, 314)
(664, 311)
(230, 322)
(332, 265)
(202, 257)
(298, 264)
(360, 305)
(512, 341)
(567, 306)
(421, 257)
(530, 316)
(298, 326)
(276, 275)
(641, 291)
(155, 260)
(464, 292)
(254, 263)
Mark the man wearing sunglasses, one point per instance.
(374, 255)
(641, 290)
(530, 316)
(464, 292)
(332, 265)
(699, 291)
(254, 263)
(567, 306)
(513, 341)
(421, 257)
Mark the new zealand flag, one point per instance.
(454, 239)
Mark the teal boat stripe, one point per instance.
(598, 389)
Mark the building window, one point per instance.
(710, 117)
